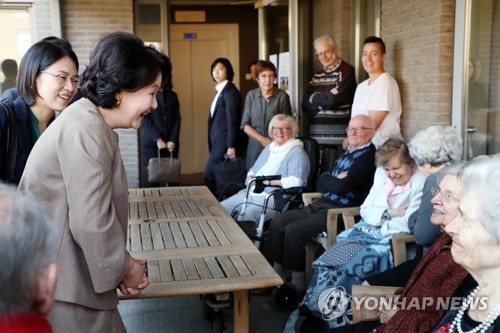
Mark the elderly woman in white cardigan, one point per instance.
(364, 250)
(284, 156)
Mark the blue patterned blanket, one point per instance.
(359, 253)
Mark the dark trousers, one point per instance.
(290, 231)
(215, 156)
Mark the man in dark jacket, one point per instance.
(346, 185)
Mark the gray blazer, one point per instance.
(76, 171)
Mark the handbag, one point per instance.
(164, 169)
(230, 175)
(10, 144)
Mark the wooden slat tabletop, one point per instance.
(192, 245)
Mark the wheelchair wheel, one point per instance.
(285, 298)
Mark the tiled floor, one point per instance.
(183, 314)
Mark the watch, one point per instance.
(386, 216)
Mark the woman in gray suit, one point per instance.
(76, 171)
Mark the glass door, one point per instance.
(16, 34)
(481, 120)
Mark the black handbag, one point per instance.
(230, 176)
(164, 169)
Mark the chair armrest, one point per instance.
(332, 218)
(359, 311)
(308, 197)
(349, 215)
(399, 242)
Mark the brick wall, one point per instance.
(83, 22)
(419, 40)
(333, 17)
(418, 34)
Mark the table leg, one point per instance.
(241, 311)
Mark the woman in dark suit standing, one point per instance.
(224, 118)
(162, 125)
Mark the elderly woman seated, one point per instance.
(435, 277)
(476, 247)
(285, 157)
(365, 249)
(432, 149)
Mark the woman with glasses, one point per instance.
(433, 280)
(475, 246)
(432, 149)
(77, 173)
(47, 81)
(347, 184)
(284, 156)
(365, 249)
(261, 105)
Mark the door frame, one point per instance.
(203, 32)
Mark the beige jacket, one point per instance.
(76, 171)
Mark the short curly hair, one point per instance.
(390, 148)
(119, 62)
(436, 145)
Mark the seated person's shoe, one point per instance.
(286, 298)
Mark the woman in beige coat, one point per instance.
(76, 171)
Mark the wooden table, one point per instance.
(194, 247)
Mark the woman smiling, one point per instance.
(47, 81)
(365, 249)
(77, 173)
(285, 157)
(476, 247)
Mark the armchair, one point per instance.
(349, 215)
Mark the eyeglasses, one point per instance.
(281, 129)
(62, 79)
(357, 129)
(446, 196)
(322, 54)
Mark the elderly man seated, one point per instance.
(346, 185)
(29, 273)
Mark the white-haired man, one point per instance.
(330, 94)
